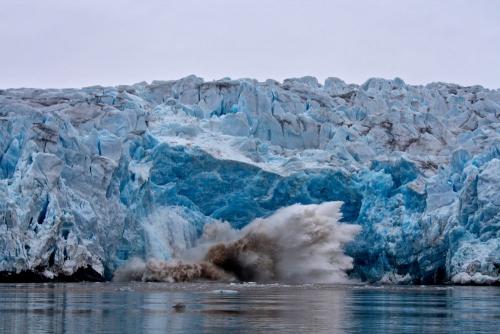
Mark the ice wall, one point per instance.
(92, 177)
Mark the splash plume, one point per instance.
(297, 244)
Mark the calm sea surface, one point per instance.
(246, 308)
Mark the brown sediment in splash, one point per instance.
(161, 271)
(250, 258)
(169, 271)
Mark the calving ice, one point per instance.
(296, 244)
(241, 179)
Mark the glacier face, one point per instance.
(92, 177)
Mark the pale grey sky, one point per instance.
(62, 43)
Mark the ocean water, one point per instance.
(246, 308)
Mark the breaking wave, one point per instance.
(297, 244)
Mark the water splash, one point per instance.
(297, 244)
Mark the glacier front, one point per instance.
(92, 177)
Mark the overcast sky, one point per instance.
(62, 43)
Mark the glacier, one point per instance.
(91, 178)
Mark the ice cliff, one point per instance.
(92, 177)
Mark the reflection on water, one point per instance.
(148, 308)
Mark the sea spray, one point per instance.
(297, 244)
